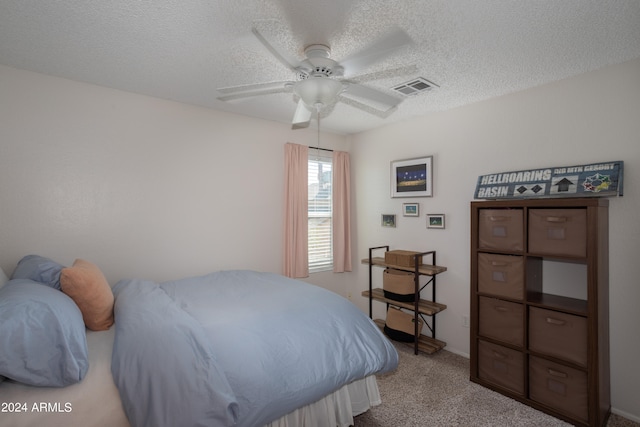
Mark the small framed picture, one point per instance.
(389, 220)
(410, 209)
(435, 220)
(412, 177)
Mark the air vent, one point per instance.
(415, 87)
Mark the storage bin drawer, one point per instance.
(501, 320)
(558, 231)
(400, 326)
(501, 275)
(558, 386)
(501, 366)
(501, 229)
(558, 334)
(399, 285)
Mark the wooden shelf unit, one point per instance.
(426, 307)
(425, 343)
(421, 307)
(527, 356)
(424, 269)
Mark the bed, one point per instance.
(238, 348)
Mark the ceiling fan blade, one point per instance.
(367, 108)
(375, 52)
(379, 99)
(302, 116)
(246, 91)
(386, 74)
(282, 56)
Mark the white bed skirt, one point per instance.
(336, 409)
(95, 401)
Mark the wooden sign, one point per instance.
(593, 180)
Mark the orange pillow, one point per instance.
(87, 286)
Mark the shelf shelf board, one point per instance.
(425, 269)
(425, 344)
(569, 305)
(425, 307)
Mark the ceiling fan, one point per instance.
(322, 81)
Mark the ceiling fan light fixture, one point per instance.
(318, 91)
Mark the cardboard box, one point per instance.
(402, 258)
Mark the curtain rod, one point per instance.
(318, 148)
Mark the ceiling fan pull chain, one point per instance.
(318, 143)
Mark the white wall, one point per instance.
(590, 118)
(160, 190)
(141, 186)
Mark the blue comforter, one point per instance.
(236, 348)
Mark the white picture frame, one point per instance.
(435, 220)
(412, 177)
(410, 209)
(388, 220)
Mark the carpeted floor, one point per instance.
(434, 390)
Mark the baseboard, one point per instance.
(626, 415)
(458, 352)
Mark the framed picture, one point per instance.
(410, 209)
(412, 177)
(388, 220)
(435, 220)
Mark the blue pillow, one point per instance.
(43, 340)
(39, 269)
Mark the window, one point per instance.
(320, 211)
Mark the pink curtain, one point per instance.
(341, 212)
(295, 239)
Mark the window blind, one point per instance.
(320, 211)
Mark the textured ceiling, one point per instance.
(184, 50)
